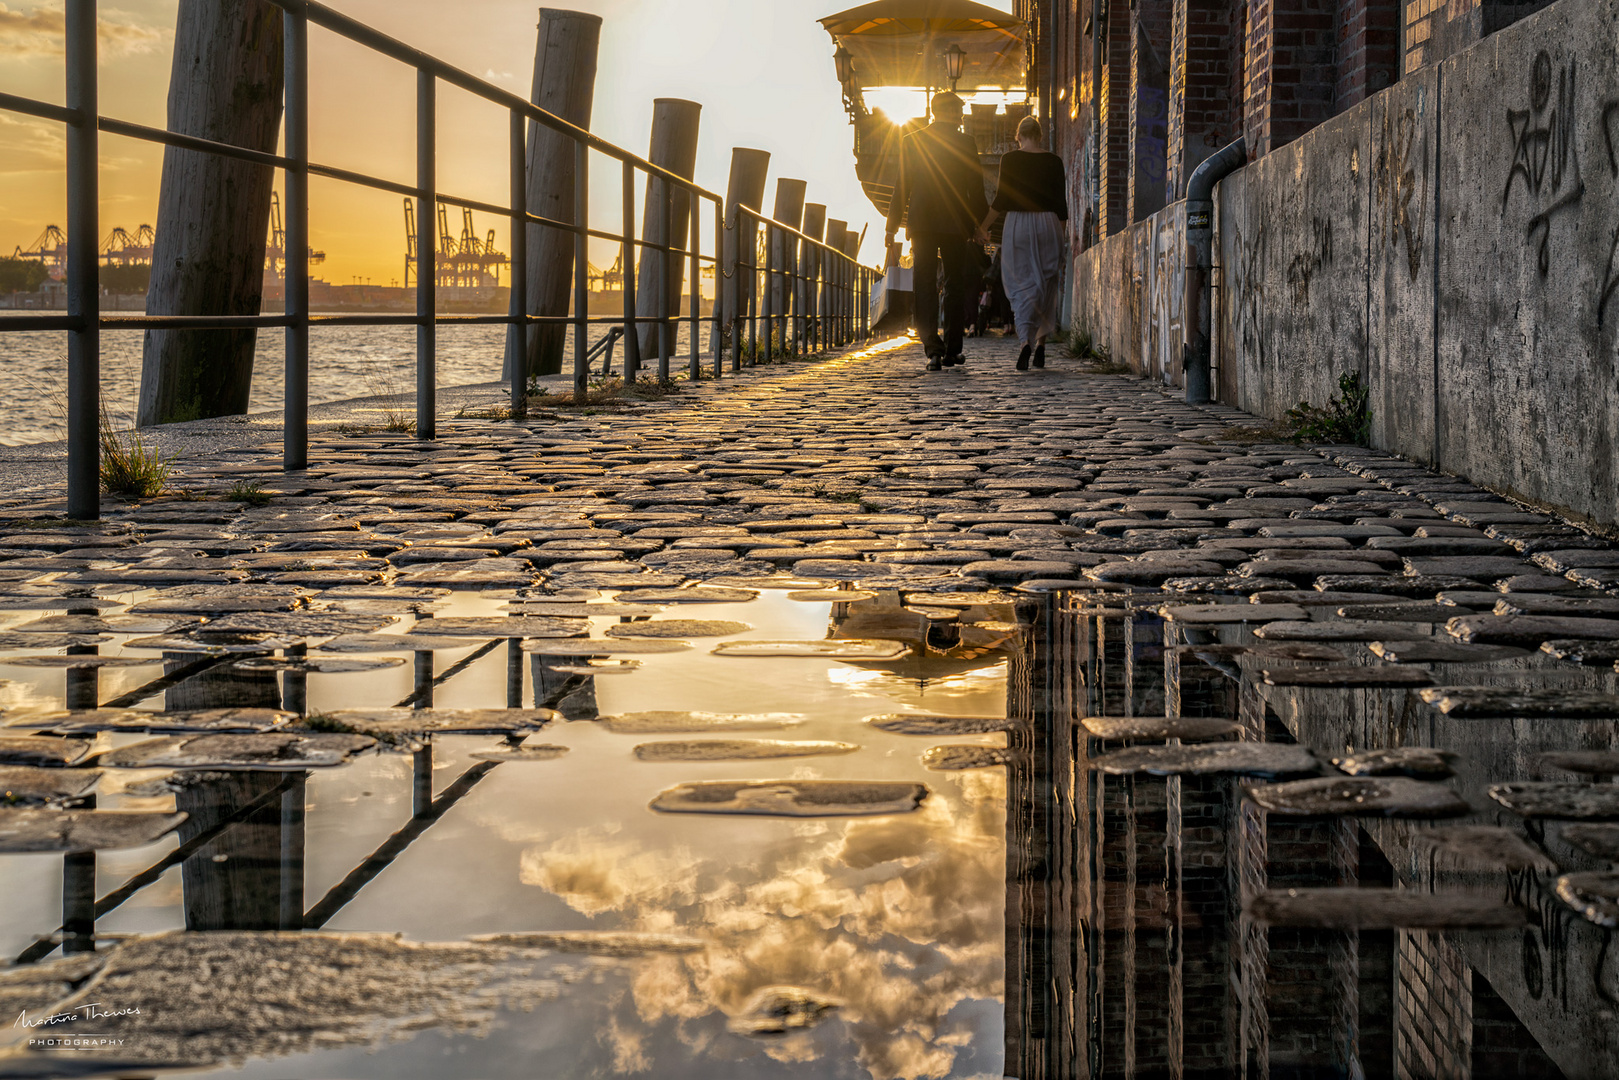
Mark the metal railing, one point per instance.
(801, 294)
(831, 286)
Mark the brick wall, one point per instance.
(1433, 1009)
(1205, 105)
(1502, 1045)
(1291, 70)
(1151, 30)
(1368, 42)
(1113, 121)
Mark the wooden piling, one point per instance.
(674, 147)
(832, 304)
(746, 187)
(814, 227)
(564, 85)
(790, 212)
(213, 212)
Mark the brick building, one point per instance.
(1142, 92)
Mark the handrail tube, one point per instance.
(42, 109)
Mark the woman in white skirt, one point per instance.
(1033, 195)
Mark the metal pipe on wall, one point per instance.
(1198, 309)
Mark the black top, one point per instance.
(941, 184)
(1032, 182)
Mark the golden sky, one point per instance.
(762, 69)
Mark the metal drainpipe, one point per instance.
(1197, 319)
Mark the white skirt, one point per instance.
(1031, 271)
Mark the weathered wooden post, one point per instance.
(784, 254)
(674, 147)
(814, 227)
(564, 85)
(835, 232)
(746, 188)
(213, 212)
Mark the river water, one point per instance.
(344, 362)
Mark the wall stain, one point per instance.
(1397, 185)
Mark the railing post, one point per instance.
(517, 309)
(715, 337)
(769, 302)
(83, 276)
(426, 257)
(632, 329)
(733, 279)
(696, 234)
(753, 291)
(295, 277)
(665, 260)
(581, 270)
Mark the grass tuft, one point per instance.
(1346, 419)
(250, 492)
(130, 468)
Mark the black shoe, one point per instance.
(1040, 356)
(933, 363)
(956, 360)
(1023, 359)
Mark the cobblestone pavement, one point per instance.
(861, 468)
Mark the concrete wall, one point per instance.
(1454, 239)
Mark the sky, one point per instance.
(762, 70)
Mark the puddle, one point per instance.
(811, 833)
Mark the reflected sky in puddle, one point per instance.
(899, 918)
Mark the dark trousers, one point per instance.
(928, 253)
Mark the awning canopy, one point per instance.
(902, 43)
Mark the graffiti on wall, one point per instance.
(1304, 265)
(1610, 274)
(1398, 183)
(1544, 157)
(1248, 293)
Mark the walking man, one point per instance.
(940, 201)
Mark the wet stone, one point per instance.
(1593, 894)
(41, 751)
(1529, 630)
(217, 605)
(781, 1010)
(1335, 630)
(1391, 796)
(1543, 604)
(670, 722)
(1491, 702)
(1409, 611)
(697, 595)
(585, 610)
(953, 758)
(1158, 728)
(1599, 840)
(677, 628)
(22, 785)
(280, 750)
(1346, 676)
(411, 642)
(1243, 758)
(1490, 847)
(79, 661)
(1591, 762)
(1419, 762)
(30, 830)
(1440, 651)
(194, 721)
(508, 626)
(840, 649)
(923, 724)
(1380, 909)
(1581, 651)
(738, 749)
(295, 624)
(835, 596)
(600, 646)
(397, 727)
(520, 753)
(619, 944)
(792, 798)
(1203, 614)
(314, 665)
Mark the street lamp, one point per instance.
(955, 58)
(845, 61)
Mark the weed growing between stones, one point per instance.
(608, 393)
(130, 468)
(1346, 419)
(253, 494)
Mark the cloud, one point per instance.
(30, 146)
(38, 32)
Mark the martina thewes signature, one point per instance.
(93, 1011)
